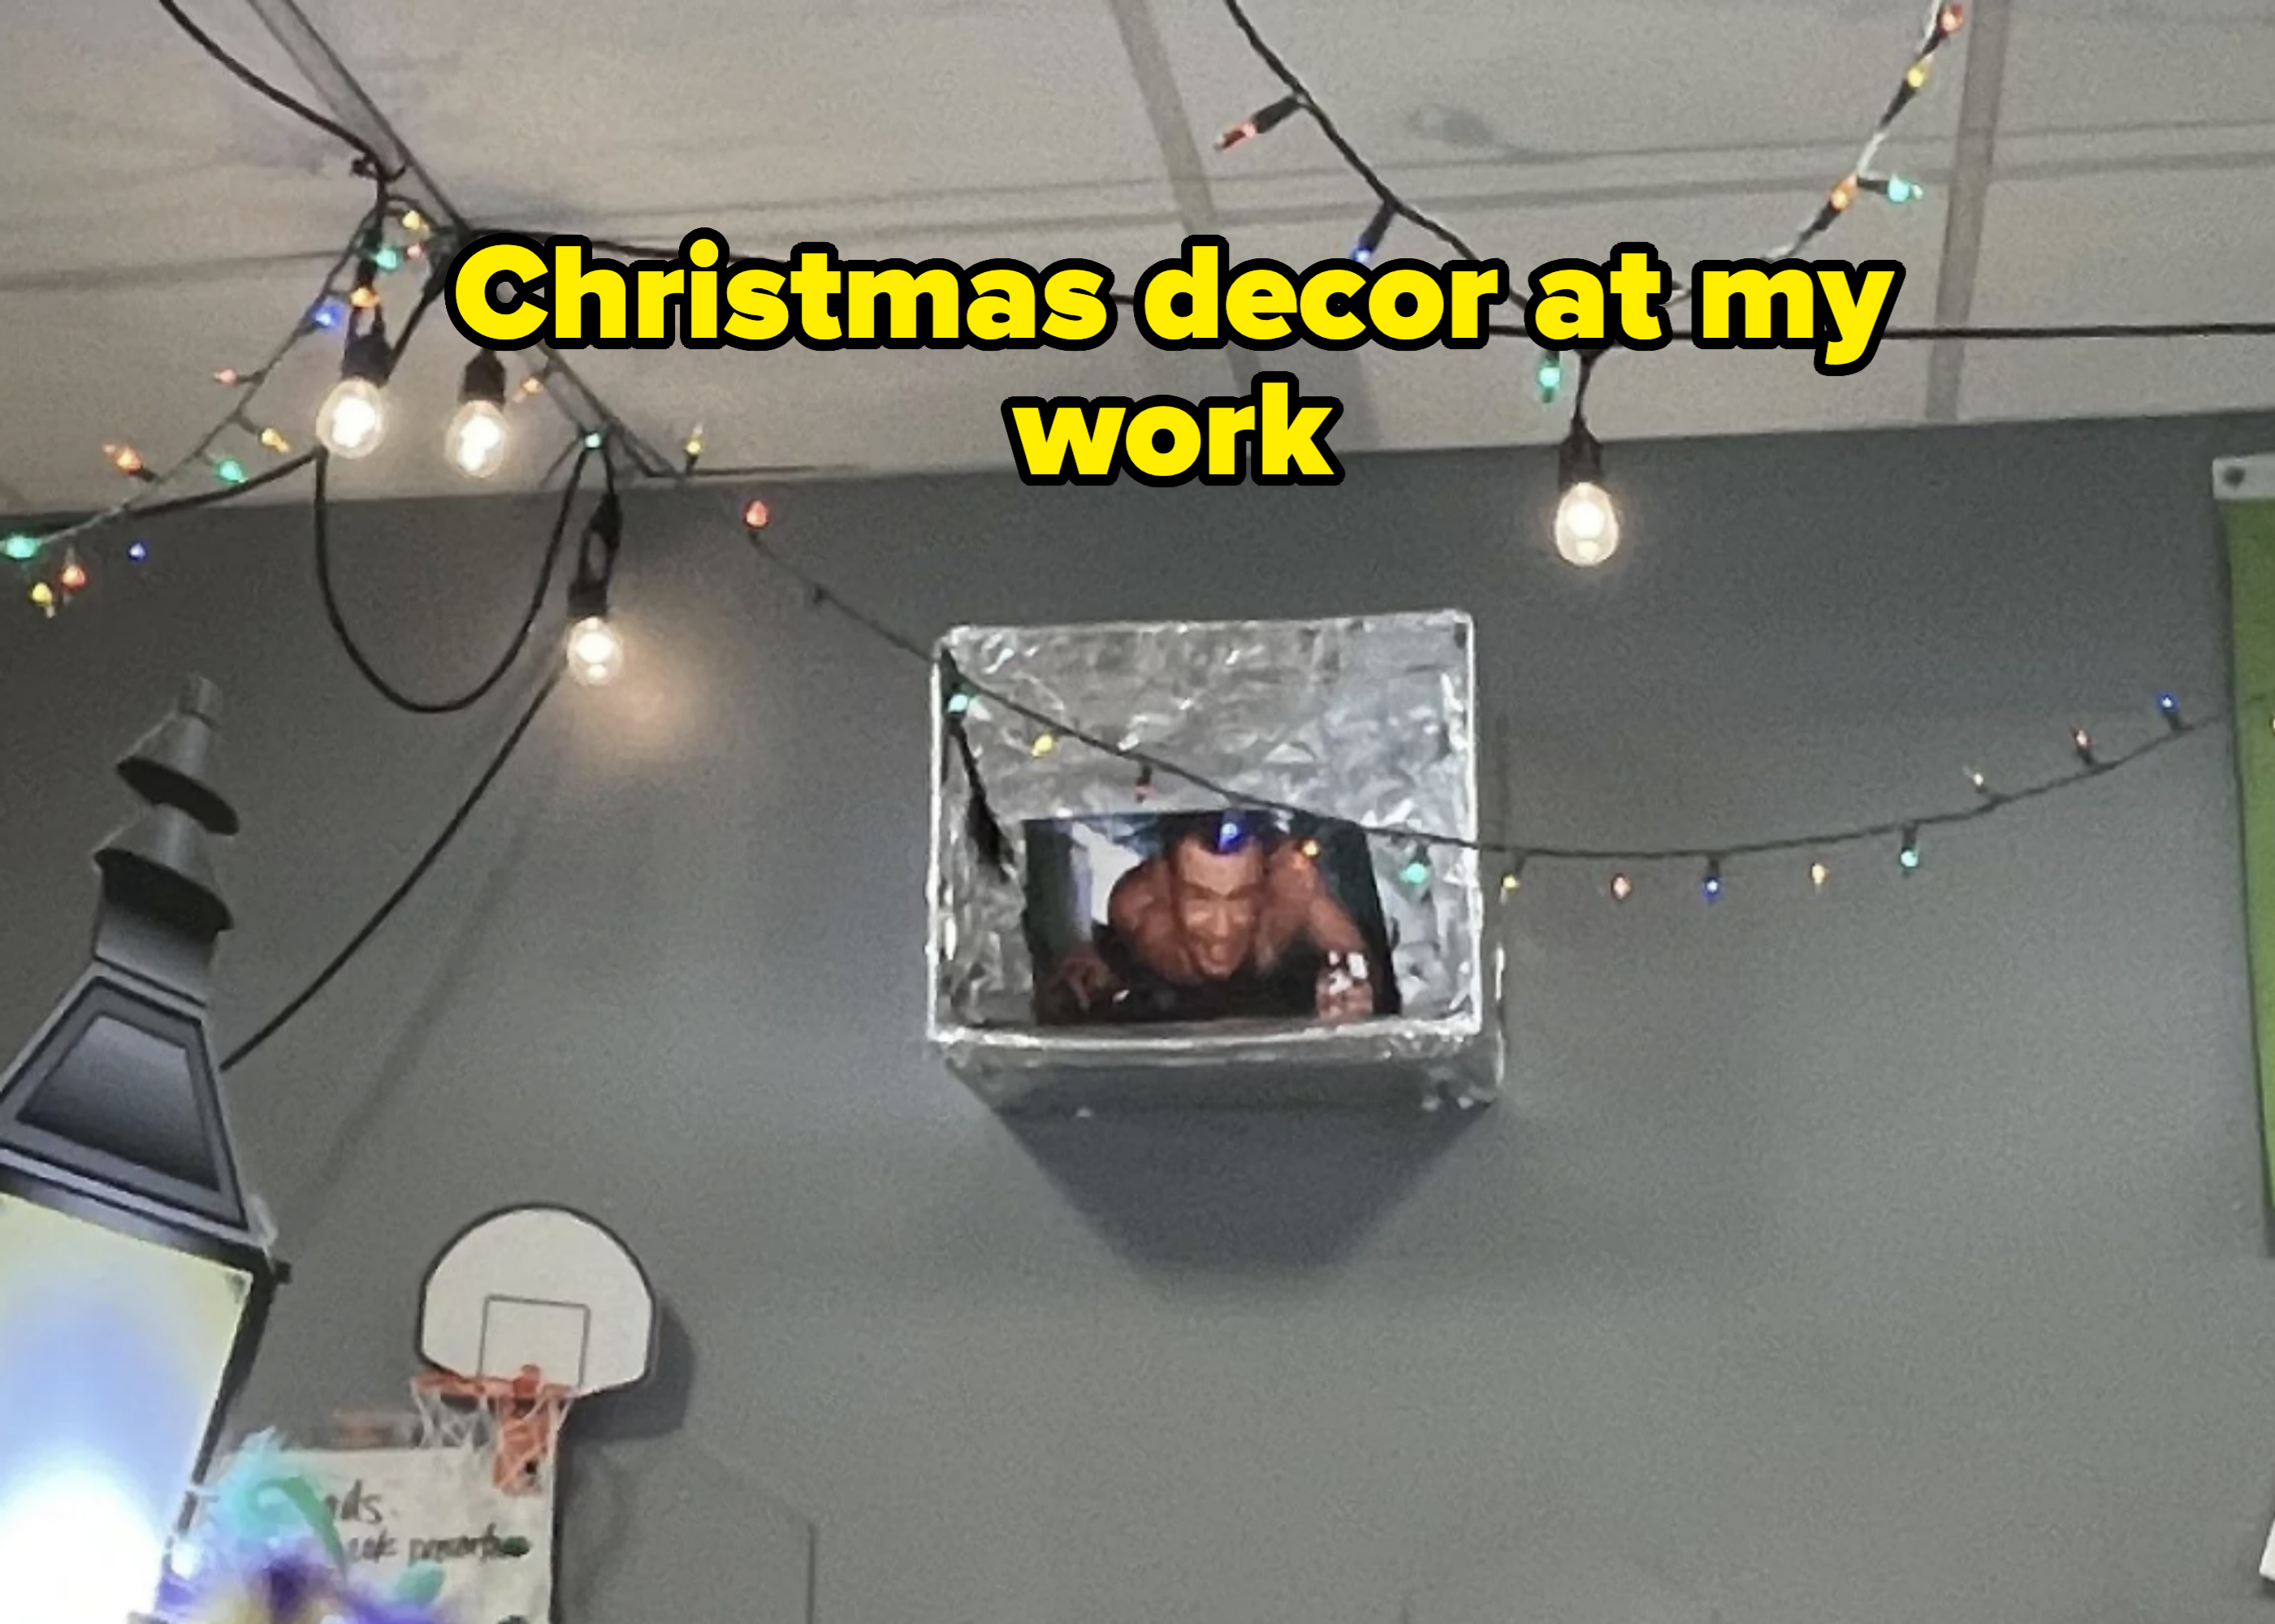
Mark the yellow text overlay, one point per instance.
(507, 291)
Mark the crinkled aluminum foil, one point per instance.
(1371, 721)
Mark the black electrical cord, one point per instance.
(320, 513)
(1350, 154)
(377, 165)
(230, 492)
(437, 280)
(419, 870)
(2001, 332)
(820, 595)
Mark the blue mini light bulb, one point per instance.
(1370, 241)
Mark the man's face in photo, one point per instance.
(1219, 897)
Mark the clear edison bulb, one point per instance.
(1587, 525)
(353, 420)
(596, 652)
(475, 441)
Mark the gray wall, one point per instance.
(1892, 1255)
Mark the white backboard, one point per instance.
(540, 1286)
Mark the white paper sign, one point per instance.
(396, 1508)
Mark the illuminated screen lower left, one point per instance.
(112, 1354)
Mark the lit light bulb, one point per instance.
(1623, 887)
(229, 377)
(1711, 887)
(139, 551)
(20, 548)
(388, 257)
(596, 652)
(366, 297)
(1045, 742)
(755, 515)
(959, 702)
(1818, 875)
(1915, 76)
(1908, 857)
(72, 575)
(414, 221)
(1258, 124)
(228, 471)
(1843, 194)
(1949, 20)
(2168, 705)
(353, 420)
(271, 440)
(1510, 884)
(1370, 240)
(2082, 742)
(1901, 190)
(593, 438)
(127, 459)
(1416, 872)
(476, 439)
(1587, 525)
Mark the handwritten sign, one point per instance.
(399, 1508)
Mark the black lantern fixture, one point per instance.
(132, 1282)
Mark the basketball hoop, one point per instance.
(516, 1418)
(538, 1290)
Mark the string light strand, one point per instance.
(1515, 852)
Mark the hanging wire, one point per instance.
(320, 513)
(377, 165)
(418, 871)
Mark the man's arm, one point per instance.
(1304, 906)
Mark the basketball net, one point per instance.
(515, 1419)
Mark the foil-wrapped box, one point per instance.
(1209, 888)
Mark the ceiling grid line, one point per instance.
(1173, 136)
(1977, 144)
(1340, 375)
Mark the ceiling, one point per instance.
(157, 221)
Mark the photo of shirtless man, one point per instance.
(1229, 920)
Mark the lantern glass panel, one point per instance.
(113, 1352)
